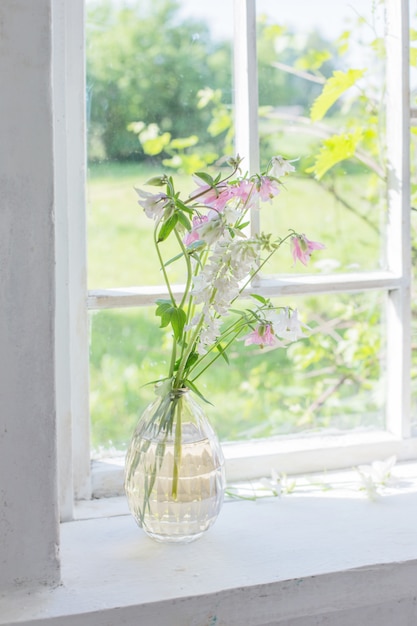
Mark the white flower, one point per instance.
(286, 324)
(376, 476)
(212, 230)
(280, 167)
(209, 333)
(153, 203)
(245, 254)
(200, 283)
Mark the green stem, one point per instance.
(177, 447)
(189, 268)
(186, 354)
(218, 355)
(260, 266)
(162, 264)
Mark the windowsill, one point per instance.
(316, 551)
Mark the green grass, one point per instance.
(261, 393)
(121, 251)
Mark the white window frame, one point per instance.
(249, 459)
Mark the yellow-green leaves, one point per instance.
(332, 90)
(181, 143)
(156, 145)
(335, 149)
(220, 122)
(313, 59)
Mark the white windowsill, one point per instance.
(316, 551)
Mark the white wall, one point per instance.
(28, 511)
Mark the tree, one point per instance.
(146, 63)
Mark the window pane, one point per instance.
(338, 194)
(328, 381)
(157, 71)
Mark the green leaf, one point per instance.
(192, 359)
(220, 122)
(191, 386)
(180, 204)
(174, 258)
(178, 319)
(222, 352)
(413, 57)
(332, 90)
(335, 149)
(343, 42)
(171, 314)
(272, 31)
(157, 181)
(237, 312)
(379, 47)
(260, 299)
(184, 221)
(163, 305)
(162, 311)
(165, 319)
(184, 142)
(167, 227)
(156, 145)
(313, 59)
(206, 177)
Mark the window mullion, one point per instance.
(62, 318)
(246, 90)
(398, 229)
(79, 333)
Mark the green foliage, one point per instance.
(332, 90)
(144, 63)
(334, 150)
(259, 393)
(279, 48)
(313, 59)
(181, 158)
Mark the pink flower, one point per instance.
(214, 197)
(303, 247)
(267, 188)
(193, 235)
(246, 191)
(262, 336)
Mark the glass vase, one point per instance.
(174, 472)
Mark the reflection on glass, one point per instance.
(331, 380)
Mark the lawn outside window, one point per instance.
(391, 284)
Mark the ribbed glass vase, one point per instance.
(174, 472)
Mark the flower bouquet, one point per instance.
(174, 466)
